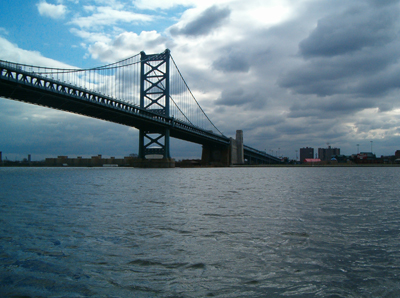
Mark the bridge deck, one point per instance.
(25, 87)
(32, 88)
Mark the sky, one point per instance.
(289, 73)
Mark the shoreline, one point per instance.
(213, 166)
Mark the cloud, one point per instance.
(289, 73)
(127, 44)
(91, 37)
(42, 132)
(170, 4)
(51, 10)
(353, 53)
(107, 16)
(209, 20)
(237, 96)
(353, 30)
(3, 31)
(233, 61)
(11, 52)
(335, 107)
(370, 72)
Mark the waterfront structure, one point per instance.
(94, 161)
(237, 148)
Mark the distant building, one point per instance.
(326, 154)
(1, 158)
(312, 160)
(366, 156)
(396, 154)
(342, 158)
(306, 153)
(94, 161)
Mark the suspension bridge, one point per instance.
(147, 92)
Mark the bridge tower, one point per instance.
(154, 96)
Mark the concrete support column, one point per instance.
(233, 152)
(239, 146)
(215, 156)
(236, 149)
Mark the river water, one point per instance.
(209, 232)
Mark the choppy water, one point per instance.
(221, 232)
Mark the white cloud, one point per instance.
(50, 10)
(162, 4)
(11, 52)
(107, 16)
(115, 4)
(91, 37)
(3, 31)
(127, 44)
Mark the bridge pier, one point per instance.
(57, 89)
(224, 156)
(215, 156)
(236, 149)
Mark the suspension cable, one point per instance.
(194, 97)
(181, 111)
(109, 69)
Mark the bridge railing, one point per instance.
(260, 154)
(121, 81)
(9, 72)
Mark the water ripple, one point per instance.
(259, 232)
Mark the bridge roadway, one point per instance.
(32, 88)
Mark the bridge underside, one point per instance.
(59, 101)
(254, 159)
(215, 155)
(216, 149)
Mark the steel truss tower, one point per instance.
(154, 96)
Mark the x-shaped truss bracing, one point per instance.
(154, 97)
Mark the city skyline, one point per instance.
(289, 74)
(296, 156)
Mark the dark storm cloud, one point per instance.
(380, 3)
(355, 52)
(353, 30)
(329, 109)
(238, 97)
(207, 21)
(369, 73)
(232, 62)
(381, 83)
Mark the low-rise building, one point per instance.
(94, 161)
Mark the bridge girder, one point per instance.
(20, 86)
(30, 87)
